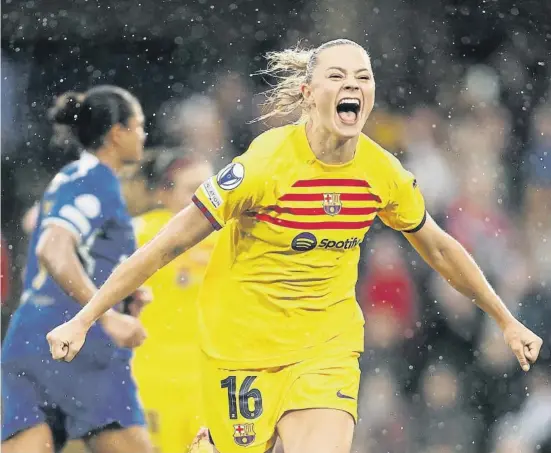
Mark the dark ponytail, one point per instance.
(91, 115)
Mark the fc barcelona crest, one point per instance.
(244, 434)
(332, 203)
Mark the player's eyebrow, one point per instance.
(344, 70)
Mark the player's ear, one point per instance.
(116, 132)
(306, 92)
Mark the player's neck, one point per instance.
(107, 156)
(329, 148)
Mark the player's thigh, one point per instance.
(320, 406)
(316, 431)
(134, 439)
(24, 420)
(37, 439)
(278, 447)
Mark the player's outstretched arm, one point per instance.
(185, 230)
(445, 255)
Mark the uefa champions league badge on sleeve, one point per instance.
(231, 176)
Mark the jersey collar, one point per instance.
(305, 152)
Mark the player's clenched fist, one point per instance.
(525, 344)
(66, 340)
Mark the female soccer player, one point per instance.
(281, 331)
(170, 391)
(83, 232)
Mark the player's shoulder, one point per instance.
(275, 138)
(265, 153)
(86, 179)
(270, 144)
(375, 154)
(89, 171)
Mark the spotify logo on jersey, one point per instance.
(304, 242)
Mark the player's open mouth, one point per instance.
(348, 110)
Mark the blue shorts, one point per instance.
(76, 399)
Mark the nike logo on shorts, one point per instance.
(346, 397)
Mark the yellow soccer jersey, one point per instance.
(280, 286)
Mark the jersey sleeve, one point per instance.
(238, 188)
(81, 206)
(405, 210)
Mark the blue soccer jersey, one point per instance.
(84, 198)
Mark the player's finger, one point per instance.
(148, 296)
(532, 350)
(58, 350)
(518, 350)
(528, 354)
(50, 343)
(71, 353)
(138, 338)
(136, 307)
(144, 294)
(50, 338)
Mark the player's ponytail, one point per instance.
(291, 68)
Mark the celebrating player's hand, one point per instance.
(67, 339)
(525, 344)
(125, 330)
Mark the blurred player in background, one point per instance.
(281, 330)
(170, 389)
(83, 231)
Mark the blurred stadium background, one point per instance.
(463, 99)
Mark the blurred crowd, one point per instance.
(438, 377)
(437, 374)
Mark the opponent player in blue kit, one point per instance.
(83, 232)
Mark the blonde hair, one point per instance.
(291, 68)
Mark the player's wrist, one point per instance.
(87, 320)
(503, 317)
(83, 321)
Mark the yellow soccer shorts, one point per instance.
(242, 407)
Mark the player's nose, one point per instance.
(351, 84)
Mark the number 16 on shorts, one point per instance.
(248, 401)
